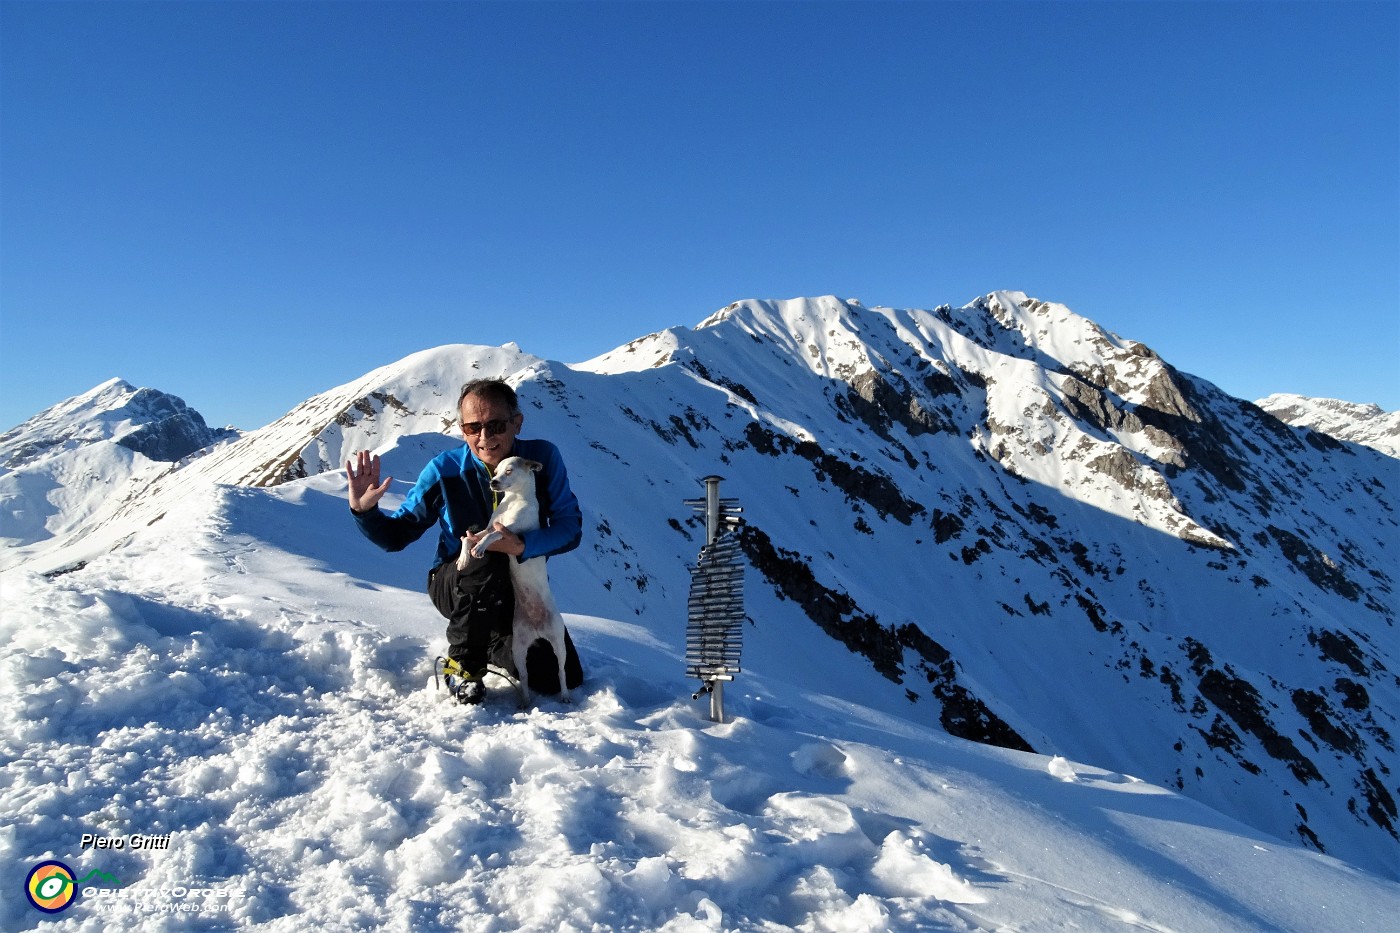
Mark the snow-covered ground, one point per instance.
(250, 677)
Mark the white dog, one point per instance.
(536, 615)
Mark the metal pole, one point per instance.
(711, 532)
(712, 508)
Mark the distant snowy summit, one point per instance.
(154, 424)
(85, 456)
(1346, 421)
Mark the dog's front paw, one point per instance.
(462, 557)
(483, 543)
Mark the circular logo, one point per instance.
(50, 886)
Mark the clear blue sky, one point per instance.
(248, 203)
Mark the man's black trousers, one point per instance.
(478, 603)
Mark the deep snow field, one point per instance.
(250, 677)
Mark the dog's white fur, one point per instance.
(536, 616)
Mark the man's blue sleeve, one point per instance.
(418, 513)
(561, 528)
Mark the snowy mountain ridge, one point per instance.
(1367, 424)
(998, 520)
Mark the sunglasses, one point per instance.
(493, 427)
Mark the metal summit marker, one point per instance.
(714, 634)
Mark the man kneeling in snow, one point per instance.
(454, 493)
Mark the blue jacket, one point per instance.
(453, 493)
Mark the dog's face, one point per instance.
(515, 474)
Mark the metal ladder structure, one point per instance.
(714, 633)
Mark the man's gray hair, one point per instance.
(493, 390)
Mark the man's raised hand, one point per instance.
(365, 488)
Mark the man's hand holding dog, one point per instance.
(365, 488)
(508, 543)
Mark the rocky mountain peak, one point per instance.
(155, 424)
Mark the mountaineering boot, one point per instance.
(470, 690)
(466, 688)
